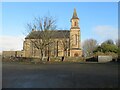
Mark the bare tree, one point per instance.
(117, 42)
(65, 43)
(43, 29)
(89, 46)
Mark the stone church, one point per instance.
(71, 37)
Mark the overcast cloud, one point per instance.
(105, 32)
(11, 42)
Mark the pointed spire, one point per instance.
(75, 14)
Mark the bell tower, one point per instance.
(75, 20)
(75, 49)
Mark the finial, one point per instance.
(33, 30)
(74, 9)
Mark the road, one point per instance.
(80, 75)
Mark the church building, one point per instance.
(71, 38)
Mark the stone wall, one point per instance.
(75, 53)
(12, 54)
(106, 58)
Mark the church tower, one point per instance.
(75, 49)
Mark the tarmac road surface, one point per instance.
(81, 75)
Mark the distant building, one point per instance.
(12, 54)
(73, 48)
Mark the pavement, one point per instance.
(77, 75)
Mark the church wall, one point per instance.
(73, 34)
(27, 48)
(56, 49)
(75, 53)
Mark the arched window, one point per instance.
(75, 24)
(76, 39)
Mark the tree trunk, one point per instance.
(48, 53)
(41, 58)
(57, 49)
(64, 55)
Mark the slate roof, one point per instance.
(56, 34)
(75, 14)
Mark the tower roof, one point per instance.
(75, 14)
